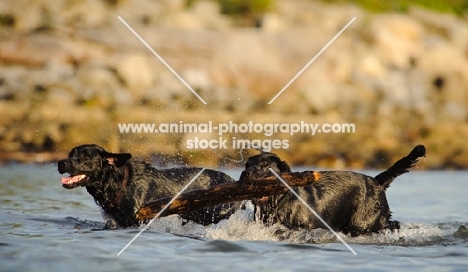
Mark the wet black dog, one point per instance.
(120, 184)
(349, 202)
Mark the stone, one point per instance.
(25, 19)
(136, 73)
(397, 38)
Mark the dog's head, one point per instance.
(259, 165)
(87, 163)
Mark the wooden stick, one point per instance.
(226, 193)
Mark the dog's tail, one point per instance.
(402, 166)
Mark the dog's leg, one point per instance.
(393, 225)
(401, 166)
(111, 224)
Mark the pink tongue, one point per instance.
(72, 179)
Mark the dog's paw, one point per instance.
(394, 225)
(111, 225)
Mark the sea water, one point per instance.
(44, 227)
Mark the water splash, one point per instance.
(242, 226)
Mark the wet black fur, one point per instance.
(349, 202)
(105, 175)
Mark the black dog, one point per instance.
(349, 202)
(120, 185)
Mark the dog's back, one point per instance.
(349, 202)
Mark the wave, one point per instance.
(241, 226)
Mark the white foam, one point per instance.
(241, 226)
(175, 224)
(408, 234)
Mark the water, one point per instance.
(44, 227)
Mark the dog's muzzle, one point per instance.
(63, 166)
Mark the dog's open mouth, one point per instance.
(72, 181)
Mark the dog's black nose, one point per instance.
(62, 166)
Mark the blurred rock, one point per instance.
(24, 18)
(136, 73)
(397, 39)
(69, 73)
(85, 13)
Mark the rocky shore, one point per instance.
(69, 74)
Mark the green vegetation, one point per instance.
(451, 6)
(7, 20)
(241, 7)
(245, 13)
(252, 7)
(245, 7)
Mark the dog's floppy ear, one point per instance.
(117, 159)
(283, 166)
